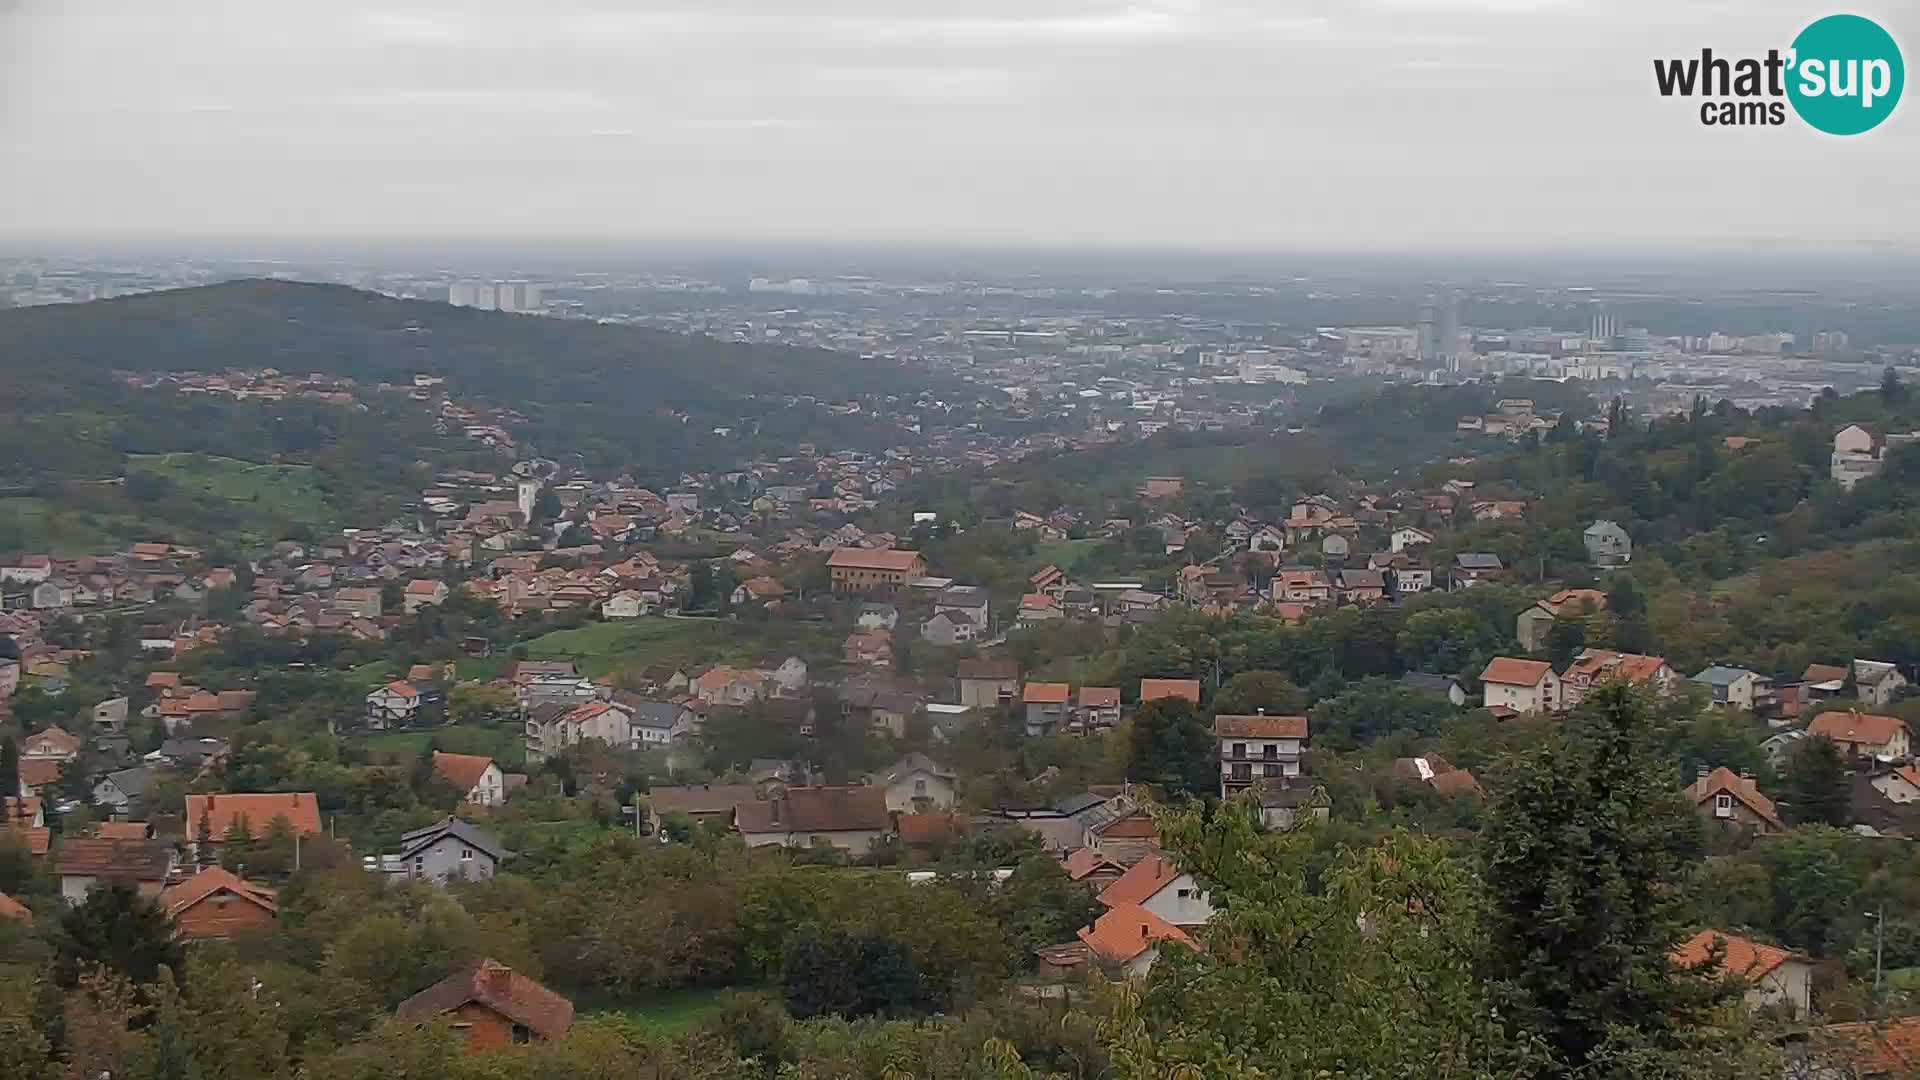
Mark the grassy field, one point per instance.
(1065, 554)
(665, 1013)
(502, 745)
(34, 524)
(281, 491)
(601, 648)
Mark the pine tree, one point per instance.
(1817, 784)
(9, 768)
(1586, 845)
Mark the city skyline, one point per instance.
(1392, 125)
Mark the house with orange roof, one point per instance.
(214, 815)
(723, 685)
(1525, 686)
(1532, 625)
(14, 911)
(1596, 667)
(1046, 704)
(1901, 786)
(1099, 707)
(491, 1006)
(1258, 747)
(1129, 938)
(423, 592)
(1863, 734)
(1155, 689)
(1729, 800)
(1775, 977)
(1158, 886)
(1092, 866)
(217, 905)
(51, 744)
(474, 775)
(1866, 1049)
(888, 570)
(393, 705)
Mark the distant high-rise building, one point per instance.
(473, 294)
(1446, 332)
(1604, 325)
(1429, 344)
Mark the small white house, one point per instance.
(1525, 686)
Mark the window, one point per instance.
(919, 788)
(1271, 769)
(1272, 750)
(1184, 894)
(419, 864)
(466, 854)
(521, 1034)
(1723, 805)
(1239, 749)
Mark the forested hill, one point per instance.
(599, 389)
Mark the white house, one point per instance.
(27, 569)
(1736, 688)
(1257, 748)
(916, 784)
(423, 592)
(790, 676)
(1608, 544)
(475, 776)
(1156, 885)
(624, 605)
(1878, 681)
(1407, 536)
(392, 705)
(1525, 686)
(655, 723)
(552, 728)
(852, 819)
(1902, 785)
(1775, 977)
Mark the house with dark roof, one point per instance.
(988, 682)
(1439, 686)
(447, 850)
(492, 1006)
(1472, 568)
(119, 790)
(852, 818)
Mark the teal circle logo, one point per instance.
(1846, 75)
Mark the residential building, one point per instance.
(874, 569)
(852, 819)
(447, 850)
(1867, 735)
(550, 729)
(1532, 626)
(118, 791)
(1596, 667)
(1129, 938)
(1362, 588)
(1775, 978)
(917, 784)
(1156, 885)
(1099, 708)
(946, 630)
(1474, 568)
(724, 685)
(1442, 686)
(704, 803)
(1155, 689)
(655, 724)
(969, 603)
(213, 816)
(393, 705)
(84, 863)
(492, 1007)
(1524, 686)
(1258, 747)
(988, 683)
(475, 776)
(1438, 773)
(1406, 536)
(50, 744)
(1046, 706)
(1737, 688)
(1608, 545)
(423, 592)
(1901, 785)
(1730, 801)
(218, 905)
(1877, 682)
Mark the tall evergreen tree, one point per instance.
(1586, 845)
(1817, 787)
(116, 928)
(9, 768)
(1172, 749)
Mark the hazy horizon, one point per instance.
(1306, 129)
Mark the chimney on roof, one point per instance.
(497, 978)
(775, 806)
(1262, 710)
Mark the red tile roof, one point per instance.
(874, 559)
(178, 898)
(1082, 862)
(1509, 671)
(39, 772)
(136, 860)
(1745, 959)
(54, 740)
(930, 828)
(1740, 787)
(817, 809)
(1155, 689)
(1127, 931)
(1046, 693)
(1605, 663)
(300, 808)
(1857, 728)
(14, 909)
(1141, 882)
(1889, 1048)
(1259, 727)
(497, 987)
(1093, 697)
(463, 771)
(37, 840)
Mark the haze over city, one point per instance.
(1385, 125)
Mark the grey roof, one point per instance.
(1477, 560)
(1076, 804)
(1720, 675)
(470, 834)
(967, 596)
(132, 781)
(657, 714)
(917, 762)
(1428, 683)
(181, 748)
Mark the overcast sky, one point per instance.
(1373, 125)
